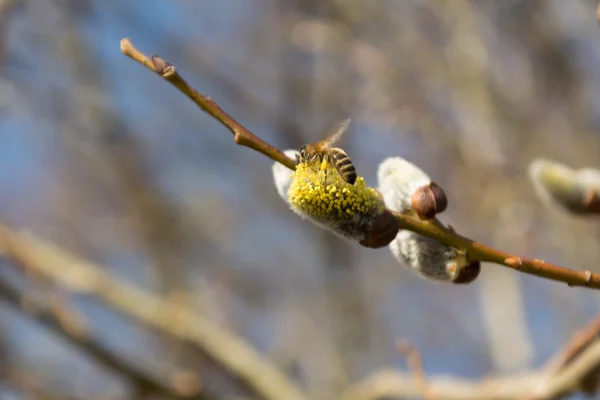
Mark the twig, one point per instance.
(242, 136)
(415, 364)
(481, 252)
(578, 343)
(84, 277)
(30, 386)
(569, 378)
(97, 351)
(544, 384)
(434, 230)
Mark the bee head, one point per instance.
(310, 153)
(303, 151)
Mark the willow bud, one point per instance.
(468, 273)
(383, 230)
(282, 175)
(317, 192)
(429, 200)
(433, 260)
(577, 191)
(409, 190)
(589, 180)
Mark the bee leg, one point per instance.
(324, 163)
(302, 155)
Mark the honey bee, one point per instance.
(323, 151)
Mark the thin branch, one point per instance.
(84, 343)
(581, 341)
(434, 229)
(541, 384)
(481, 252)
(415, 364)
(231, 352)
(578, 343)
(569, 378)
(242, 136)
(30, 386)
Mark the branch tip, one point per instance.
(125, 45)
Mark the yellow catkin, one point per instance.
(320, 191)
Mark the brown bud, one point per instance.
(591, 202)
(589, 383)
(159, 64)
(468, 274)
(429, 200)
(383, 231)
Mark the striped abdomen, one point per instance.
(343, 164)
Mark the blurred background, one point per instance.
(108, 161)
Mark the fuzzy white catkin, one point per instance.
(429, 258)
(398, 180)
(557, 184)
(551, 180)
(282, 176)
(589, 178)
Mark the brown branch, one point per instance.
(415, 364)
(481, 252)
(571, 376)
(578, 343)
(581, 341)
(242, 136)
(30, 385)
(433, 229)
(169, 318)
(87, 345)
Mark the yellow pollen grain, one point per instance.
(320, 191)
(324, 165)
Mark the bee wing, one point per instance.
(336, 132)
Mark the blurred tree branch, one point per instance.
(30, 386)
(116, 163)
(574, 369)
(167, 317)
(6, 9)
(433, 229)
(415, 365)
(142, 381)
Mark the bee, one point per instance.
(323, 151)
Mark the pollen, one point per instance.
(324, 165)
(318, 191)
